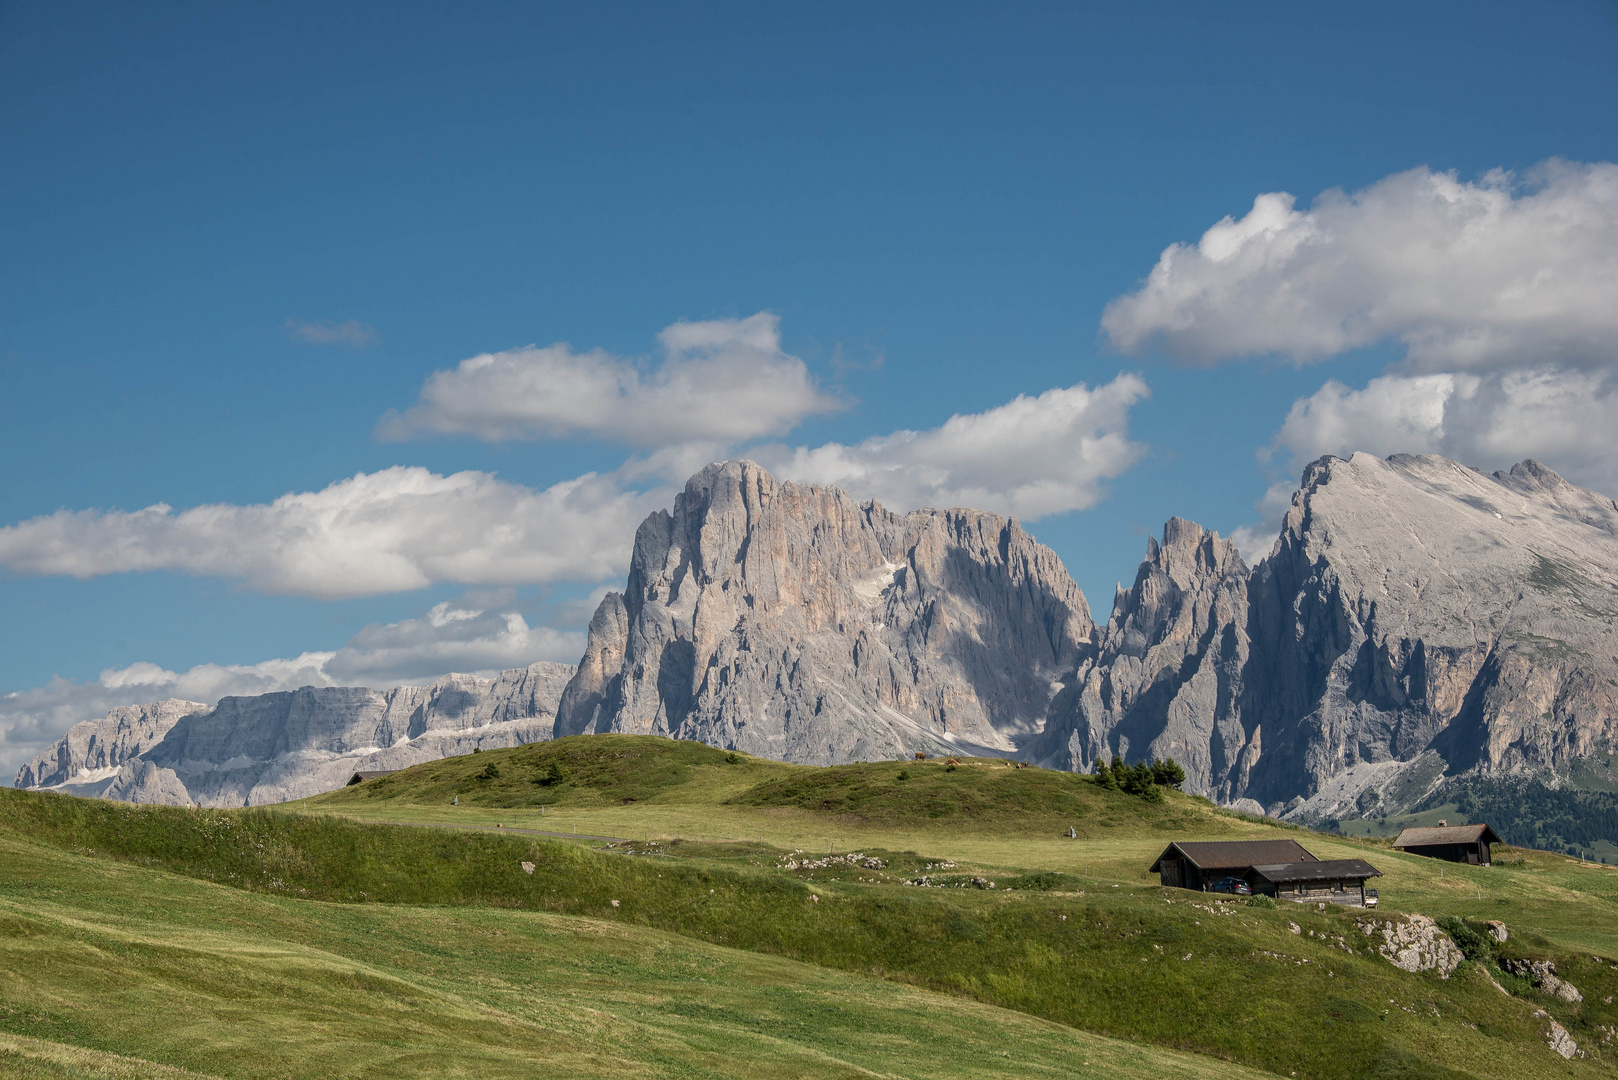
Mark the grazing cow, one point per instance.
(920, 756)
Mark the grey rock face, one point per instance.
(274, 747)
(140, 781)
(1168, 676)
(1415, 619)
(1414, 604)
(792, 622)
(91, 753)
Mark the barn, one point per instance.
(1198, 863)
(1456, 843)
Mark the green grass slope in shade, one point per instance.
(108, 967)
(1119, 958)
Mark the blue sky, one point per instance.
(237, 236)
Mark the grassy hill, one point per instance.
(1075, 938)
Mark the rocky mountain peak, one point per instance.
(792, 621)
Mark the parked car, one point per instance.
(1370, 897)
(1233, 885)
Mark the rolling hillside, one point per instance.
(1074, 941)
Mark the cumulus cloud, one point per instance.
(1561, 417)
(353, 333)
(1469, 275)
(450, 637)
(397, 529)
(721, 381)
(477, 635)
(1029, 458)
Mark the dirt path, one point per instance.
(503, 829)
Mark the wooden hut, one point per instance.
(1339, 881)
(1456, 843)
(1195, 864)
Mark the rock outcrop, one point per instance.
(1413, 943)
(269, 748)
(1542, 973)
(792, 622)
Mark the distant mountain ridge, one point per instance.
(1415, 619)
(270, 748)
(1417, 625)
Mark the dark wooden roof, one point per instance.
(1235, 854)
(360, 777)
(1319, 870)
(1452, 834)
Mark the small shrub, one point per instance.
(951, 768)
(904, 774)
(1105, 776)
(1475, 944)
(733, 758)
(477, 749)
(1261, 901)
(553, 775)
(491, 771)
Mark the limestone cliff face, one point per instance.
(793, 622)
(1168, 676)
(93, 752)
(269, 748)
(1414, 619)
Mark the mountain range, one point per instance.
(1417, 627)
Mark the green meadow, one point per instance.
(752, 919)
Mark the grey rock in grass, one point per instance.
(1560, 1041)
(793, 622)
(1542, 973)
(1412, 943)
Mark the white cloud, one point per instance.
(1470, 276)
(352, 333)
(1031, 457)
(449, 638)
(397, 529)
(1561, 417)
(722, 381)
(477, 635)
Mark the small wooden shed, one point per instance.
(1456, 843)
(1196, 863)
(1339, 881)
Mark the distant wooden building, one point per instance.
(1340, 881)
(361, 777)
(1456, 843)
(1196, 864)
